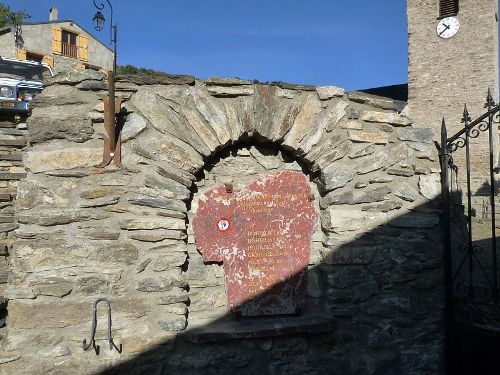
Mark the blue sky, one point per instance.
(352, 44)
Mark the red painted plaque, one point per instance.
(262, 234)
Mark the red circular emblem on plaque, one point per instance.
(223, 224)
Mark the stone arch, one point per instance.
(355, 146)
(237, 167)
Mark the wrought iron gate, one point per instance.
(470, 244)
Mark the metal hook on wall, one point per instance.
(92, 343)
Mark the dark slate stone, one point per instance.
(376, 101)
(423, 135)
(142, 266)
(177, 189)
(8, 227)
(167, 79)
(176, 174)
(4, 275)
(388, 307)
(354, 196)
(177, 324)
(4, 249)
(356, 293)
(119, 252)
(383, 207)
(169, 299)
(69, 173)
(415, 220)
(353, 255)
(293, 86)
(74, 76)
(51, 217)
(347, 276)
(401, 171)
(168, 204)
(353, 113)
(220, 81)
(160, 284)
(92, 85)
(261, 328)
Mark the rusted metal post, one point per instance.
(112, 105)
(112, 113)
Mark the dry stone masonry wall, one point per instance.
(12, 140)
(374, 296)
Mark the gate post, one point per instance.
(444, 158)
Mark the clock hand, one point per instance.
(446, 27)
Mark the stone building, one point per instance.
(444, 73)
(63, 44)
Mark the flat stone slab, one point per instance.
(262, 234)
(166, 79)
(263, 327)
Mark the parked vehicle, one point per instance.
(20, 82)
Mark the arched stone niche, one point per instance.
(123, 234)
(238, 167)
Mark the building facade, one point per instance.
(60, 43)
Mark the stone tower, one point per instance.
(444, 73)
(453, 61)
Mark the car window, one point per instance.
(21, 72)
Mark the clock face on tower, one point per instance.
(447, 27)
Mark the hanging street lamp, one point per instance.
(98, 21)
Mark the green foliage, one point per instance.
(130, 69)
(272, 83)
(9, 17)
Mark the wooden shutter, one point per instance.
(57, 40)
(21, 54)
(49, 60)
(448, 8)
(83, 48)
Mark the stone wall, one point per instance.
(13, 138)
(375, 293)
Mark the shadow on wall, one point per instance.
(474, 341)
(387, 292)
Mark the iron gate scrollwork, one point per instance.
(470, 243)
(470, 261)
